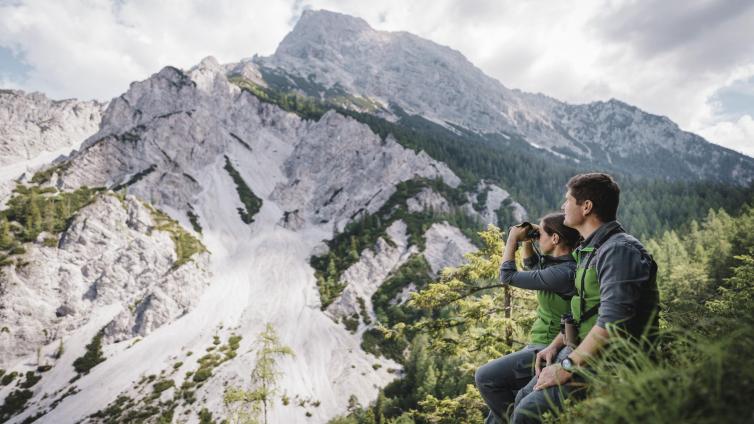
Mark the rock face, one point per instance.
(446, 246)
(428, 199)
(34, 130)
(326, 190)
(31, 124)
(182, 124)
(339, 53)
(110, 255)
(363, 278)
(495, 198)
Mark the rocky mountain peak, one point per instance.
(328, 23)
(333, 53)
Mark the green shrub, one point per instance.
(8, 378)
(186, 245)
(92, 356)
(31, 379)
(202, 374)
(14, 403)
(162, 385)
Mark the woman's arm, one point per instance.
(557, 278)
(509, 254)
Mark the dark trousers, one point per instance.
(499, 380)
(531, 404)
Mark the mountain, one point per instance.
(330, 55)
(313, 191)
(32, 124)
(35, 130)
(198, 147)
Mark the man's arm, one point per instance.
(621, 269)
(590, 346)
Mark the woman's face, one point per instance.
(546, 242)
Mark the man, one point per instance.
(615, 282)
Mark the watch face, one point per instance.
(566, 364)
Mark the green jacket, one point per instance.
(552, 278)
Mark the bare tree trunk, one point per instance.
(507, 304)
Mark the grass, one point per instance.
(186, 245)
(686, 378)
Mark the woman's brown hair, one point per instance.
(553, 224)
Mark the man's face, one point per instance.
(572, 211)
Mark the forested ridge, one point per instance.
(534, 178)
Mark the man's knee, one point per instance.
(531, 406)
(527, 409)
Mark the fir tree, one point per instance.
(244, 406)
(6, 238)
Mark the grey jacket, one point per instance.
(549, 273)
(627, 296)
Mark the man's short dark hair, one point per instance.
(601, 189)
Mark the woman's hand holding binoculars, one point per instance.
(524, 231)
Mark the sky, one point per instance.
(689, 60)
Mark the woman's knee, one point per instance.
(482, 375)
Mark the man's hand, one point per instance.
(553, 375)
(545, 358)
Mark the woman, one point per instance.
(552, 276)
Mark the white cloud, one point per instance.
(95, 48)
(737, 135)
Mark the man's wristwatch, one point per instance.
(568, 365)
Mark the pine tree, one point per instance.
(478, 313)
(34, 219)
(332, 270)
(379, 409)
(6, 239)
(49, 216)
(353, 251)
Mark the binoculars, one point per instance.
(532, 233)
